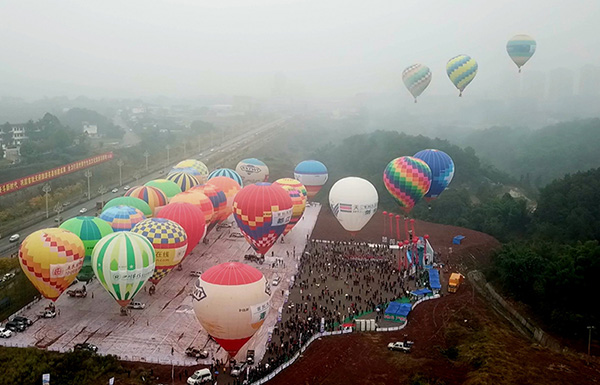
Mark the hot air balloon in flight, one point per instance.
(122, 218)
(151, 195)
(353, 202)
(184, 180)
(229, 173)
(169, 241)
(442, 171)
(194, 167)
(198, 199)
(51, 259)
(188, 216)
(312, 174)
(297, 192)
(252, 171)
(90, 230)
(123, 262)
(521, 48)
(231, 301)
(407, 179)
(416, 78)
(169, 188)
(129, 201)
(461, 70)
(262, 211)
(230, 187)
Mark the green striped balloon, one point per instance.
(136, 203)
(123, 262)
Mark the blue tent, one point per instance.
(420, 292)
(397, 311)
(456, 240)
(434, 279)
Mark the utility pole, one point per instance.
(46, 189)
(146, 155)
(590, 328)
(88, 175)
(120, 163)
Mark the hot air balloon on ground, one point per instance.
(252, 171)
(151, 195)
(169, 188)
(353, 202)
(188, 216)
(297, 192)
(122, 218)
(184, 180)
(442, 171)
(51, 259)
(218, 200)
(129, 201)
(230, 187)
(521, 48)
(461, 70)
(123, 262)
(198, 199)
(193, 166)
(169, 241)
(407, 179)
(261, 212)
(231, 301)
(90, 230)
(416, 78)
(312, 174)
(229, 173)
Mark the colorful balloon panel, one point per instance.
(407, 179)
(51, 259)
(184, 180)
(198, 199)
(169, 188)
(298, 194)
(521, 48)
(188, 216)
(416, 78)
(461, 70)
(231, 302)
(442, 170)
(123, 262)
(217, 198)
(227, 172)
(129, 201)
(193, 166)
(153, 196)
(252, 171)
(262, 211)
(312, 174)
(169, 241)
(353, 202)
(230, 187)
(122, 218)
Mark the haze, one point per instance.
(311, 48)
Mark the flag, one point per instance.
(345, 208)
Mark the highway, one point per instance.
(210, 156)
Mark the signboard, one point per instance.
(30, 180)
(46, 379)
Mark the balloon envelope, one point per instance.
(416, 78)
(231, 301)
(188, 216)
(129, 201)
(123, 262)
(521, 48)
(407, 179)
(169, 188)
(353, 202)
(217, 199)
(151, 195)
(312, 174)
(51, 259)
(461, 70)
(442, 170)
(193, 166)
(229, 173)
(184, 180)
(252, 171)
(230, 187)
(262, 211)
(298, 194)
(198, 199)
(122, 218)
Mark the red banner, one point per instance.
(30, 180)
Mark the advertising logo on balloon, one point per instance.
(65, 269)
(250, 169)
(282, 217)
(133, 276)
(259, 312)
(198, 294)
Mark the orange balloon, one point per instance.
(229, 187)
(198, 199)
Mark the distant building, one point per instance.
(90, 129)
(14, 135)
(589, 80)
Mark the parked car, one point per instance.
(238, 369)
(195, 273)
(83, 210)
(5, 333)
(126, 188)
(200, 377)
(66, 204)
(49, 314)
(86, 346)
(7, 277)
(136, 305)
(14, 238)
(196, 352)
(23, 320)
(276, 280)
(15, 326)
(78, 293)
(115, 190)
(400, 346)
(250, 357)
(58, 219)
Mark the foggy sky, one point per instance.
(184, 48)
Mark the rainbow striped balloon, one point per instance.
(521, 48)
(297, 192)
(151, 195)
(416, 78)
(461, 70)
(407, 179)
(122, 218)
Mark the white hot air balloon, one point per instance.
(353, 201)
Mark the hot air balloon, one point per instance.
(123, 262)
(194, 167)
(297, 192)
(353, 202)
(262, 211)
(169, 241)
(442, 171)
(218, 200)
(407, 179)
(198, 199)
(184, 180)
(90, 230)
(231, 301)
(169, 188)
(252, 171)
(521, 48)
(151, 195)
(188, 216)
(312, 174)
(129, 201)
(230, 187)
(229, 173)
(51, 259)
(416, 78)
(122, 218)
(461, 70)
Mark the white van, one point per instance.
(200, 377)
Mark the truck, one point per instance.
(401, 346)
(454, 282)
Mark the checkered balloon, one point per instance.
(407, 179)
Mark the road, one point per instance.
(209, 156)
